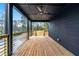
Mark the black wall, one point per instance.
(66, 28)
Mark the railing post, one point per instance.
(7, 46)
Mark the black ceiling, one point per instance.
(49, 11)
(34, 14)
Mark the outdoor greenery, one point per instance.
(44, 26)
(24, 23)
(19, 24)
(1, 31)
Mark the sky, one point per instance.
(16, 14)
(2, 8)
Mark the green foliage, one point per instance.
(43, 27)
(24, 22)
(1, 31)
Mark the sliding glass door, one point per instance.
(19, 28)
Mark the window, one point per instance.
(2, 18)
(19, 21)
(19, 28)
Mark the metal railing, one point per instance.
(4, 45)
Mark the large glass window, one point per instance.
(19, 21)
(19, 28)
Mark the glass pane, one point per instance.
(19, 21)
(19, 28)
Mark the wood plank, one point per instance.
(41, 46)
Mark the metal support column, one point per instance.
(9, 22)
(6, 17)
(31, 28)
(28, 29)
(6, 26)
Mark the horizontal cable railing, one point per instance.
(4, 45)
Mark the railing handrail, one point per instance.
(6, 35)
(18, 33)
(3, 36)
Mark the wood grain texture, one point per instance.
(41, 46)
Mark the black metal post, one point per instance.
(28, 29)
(6, 17)
(9, 20)
(31, 27)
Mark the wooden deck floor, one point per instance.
(41, 46)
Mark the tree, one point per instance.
(45, 25)
(23, 21)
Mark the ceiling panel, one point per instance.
(48, 11)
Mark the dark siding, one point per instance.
(66, 28)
